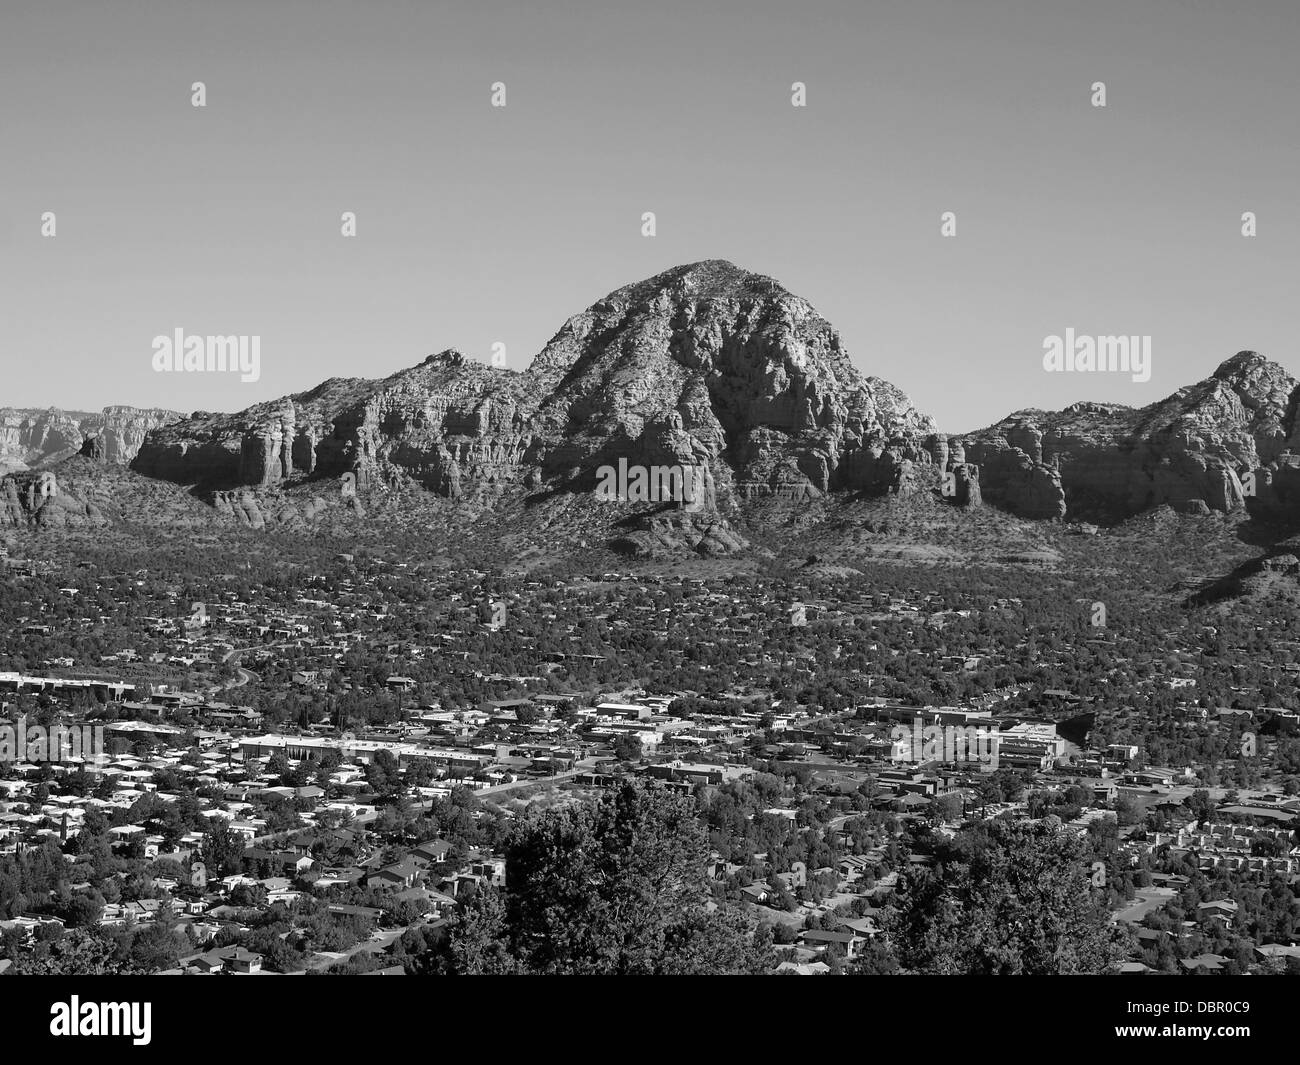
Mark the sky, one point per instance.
(479, 225)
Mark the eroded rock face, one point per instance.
(665, 535)
(968, 492)
(29, 438)
(706, 365)
(1189, 450)
(758, 382)
(723, 370)
(118, 439)
(24, 504)
(1015, 477)
(266, 453)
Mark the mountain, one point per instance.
(705, 366)
(31, 438)
(713, 364)
(1192, 450)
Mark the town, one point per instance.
(310, 765)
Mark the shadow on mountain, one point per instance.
(1233, 584)
(1259, 532)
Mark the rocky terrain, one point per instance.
(34, 438)
(707, 366)
(1225, 443)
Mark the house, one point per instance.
(1105, 791)
(1209, 962)
(492, 871)
(865, 927)
(431, 852)
(340, 909)
(821, 940)
(1221, 910)
(1277, 952)
(399, 876)
(243, 961)
(204, 963)
(231, 959)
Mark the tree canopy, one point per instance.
(618, 887)
(1006, 898)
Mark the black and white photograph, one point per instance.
(586, 488)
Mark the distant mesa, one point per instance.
(30, 438)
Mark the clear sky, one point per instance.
(478, 225)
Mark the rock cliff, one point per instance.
(1221, 444)
(707, 366)
(31, 438)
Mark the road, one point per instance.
(530, 782)
(244, 675)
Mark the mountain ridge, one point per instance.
(722, 369)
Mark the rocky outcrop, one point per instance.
(1190, 451)
(706, 365)
(968, 492)
(37, 500)
(122, 431)
(756, 383)
(665, 535)
(1014, 476)
(30, 438)
(711, 367)
(266, 452)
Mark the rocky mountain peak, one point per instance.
(448, 357)
(724, 370)
(718, 279)
(712, 363)
(1189, 450)
(1245, 366)
(706, 364)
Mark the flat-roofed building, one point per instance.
(1031, 744)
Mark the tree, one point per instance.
(83, 910)
(278, 764)
(1005, 898)
(156, 947)
(79, 953)
(475, 946)
(222, 851)
(1128, 812)
(627, 748)
(946, 808)
(875, 960)
(1199, 804)
(382, 773)
(618, 887)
